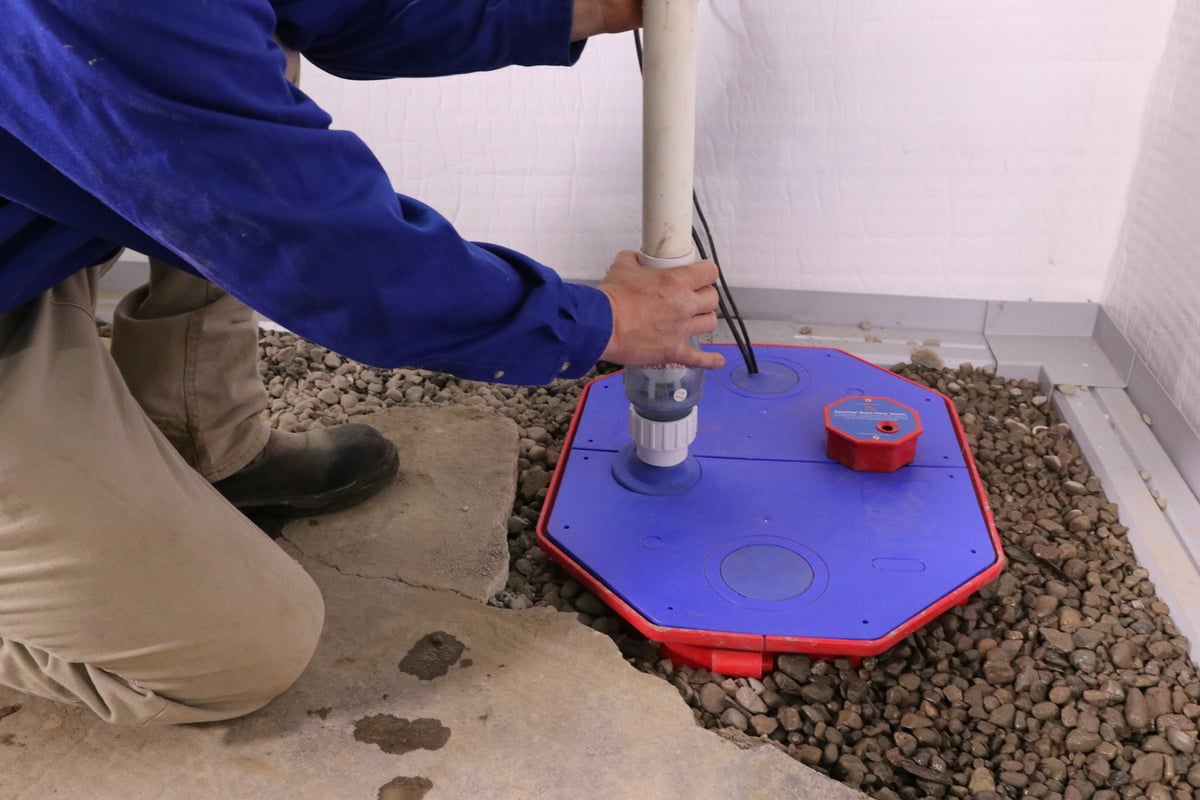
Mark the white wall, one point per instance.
(1154, 293)
(926, 147)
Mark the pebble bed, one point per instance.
(1064, 678)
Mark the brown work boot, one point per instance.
(321, 470)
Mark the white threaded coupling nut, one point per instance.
(662, 444)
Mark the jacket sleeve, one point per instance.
(182, 124)
(367, 39)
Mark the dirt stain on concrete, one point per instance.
(322, 712)
(405, 789)
(399, 736)
(432, 656)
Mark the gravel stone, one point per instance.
(1081, 741)
(1084, 660)
(1183, 741)
(815, 714)
(851, 769)
(851, 720)
(906, 743)
(763, 725)
(1122, 654)
(1147, 769)
(1060, 695)
(588, 603)
(1058, 640)
(748, 699)
(789, 718)
(713, 698)
(1017, 780)
(1045, 710)
(998, 673)
(1158, 701)
(1003, 716)
(911, 721)
(1137, 714)
(817, 693)
(796, 667)
(809, 755)
(732, 718)
(1045, 605)
(981, 781)
(786, 684)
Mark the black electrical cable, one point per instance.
(725, 301)
(739, 337)
(732, 314)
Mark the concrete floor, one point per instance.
(418, 689)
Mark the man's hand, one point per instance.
(605, 16)
(656, 310)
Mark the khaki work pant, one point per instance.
(127, 583)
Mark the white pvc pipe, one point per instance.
(669, 127)
(668, 162)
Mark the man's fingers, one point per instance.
(700, 274)
(691, 357)
(706, 299)
(701, 323)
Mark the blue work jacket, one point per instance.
(170, 128)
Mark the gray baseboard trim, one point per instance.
(876, 311)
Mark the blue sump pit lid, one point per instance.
(776, 548)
